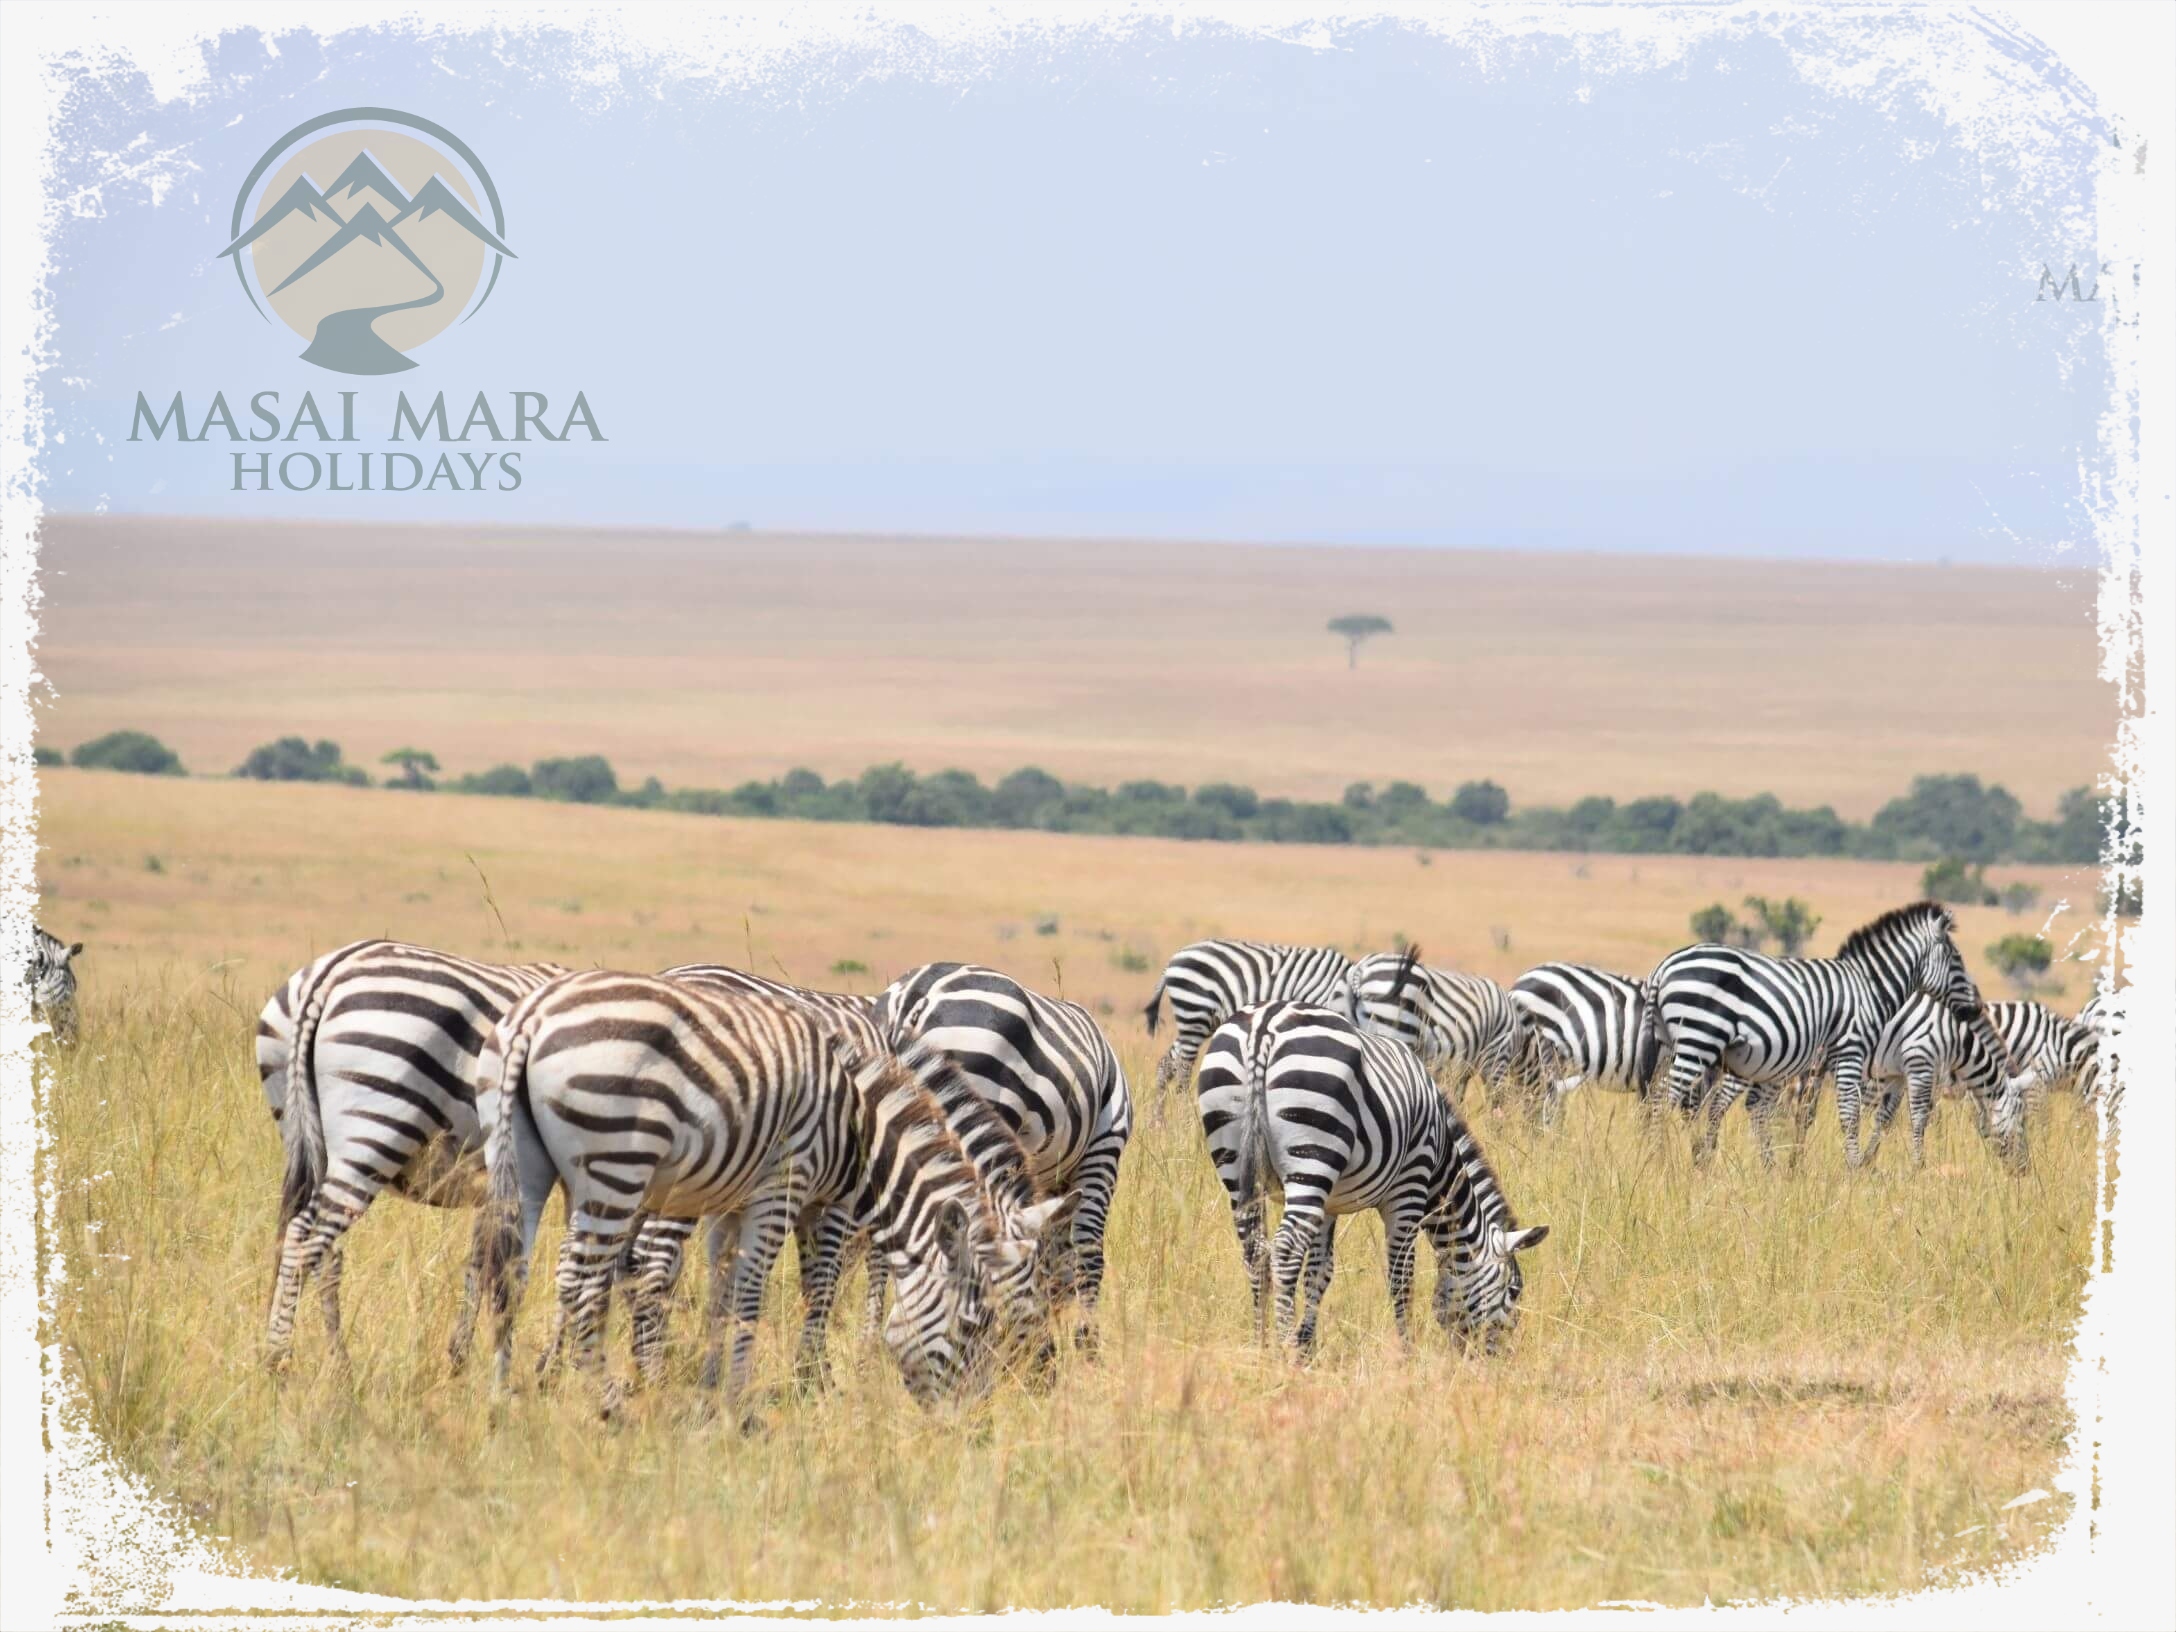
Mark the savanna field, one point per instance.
(1727, 1385)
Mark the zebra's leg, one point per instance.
(763, 1230)
(1095, 1179)
(1723, 1092)
(1177, 1063)
(1922, 1094)
(1850, 1069)
(1401, 1236)
(1290, 1251)
(721, 1245)
(328, 1303)
(463, 1337)
(1321, 1263)
(1805, 1102)
(585, 1293)
(659, 1249)
(874, 1296)
(820, 1244)
(1761, 1101)
(1891, 1096)
(312, 1241)
(1249, 1215)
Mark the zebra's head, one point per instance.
(1984, 1070)
(1478, 1301)
(938, 1329)
(1013, 1268)
(51, 978)
(1914, 949)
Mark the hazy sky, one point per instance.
(1205, 286)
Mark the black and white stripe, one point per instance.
(2089, 1059)
(1579, 1026)
(50, 979)
(367, 1057)
(1926, 1043)
(1461, 1025)
(641, 1096)
(1046, 1069)
(1767, 1021)
(1341, 1121)
(1210, 981)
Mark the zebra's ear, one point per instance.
(76, 950)
(1520, 1240)
(952, 1233)
(1039, 1219)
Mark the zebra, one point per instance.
(1466, 1022)
(1046, 1068)
(367, 1057)
(1768, 1020)
(1344, 1121)
(51, 979)
(655, 1253)
(1927, 1040)
(1211, 980)
(689, 1100)
(2089, 1053)
(2042, 1045)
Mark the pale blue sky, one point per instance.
(1208, 287)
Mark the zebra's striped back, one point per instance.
(51, 980)
(1581, 1025)
(1210, 981)
(1448, 1017)
(691, 1100)
(1297, 1096)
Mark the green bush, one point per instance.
(501, 781)
(2022, 959)
(1482, 803)
(47, 758)
(585, 779)
(1958, 882)
(1949, 816)
(136, 751)
(291, 759)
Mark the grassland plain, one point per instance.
(1557, 675)
(1728, 1386)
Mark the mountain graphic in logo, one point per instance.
(388, 256)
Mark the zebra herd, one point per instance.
(963, 1134)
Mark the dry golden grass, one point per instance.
(1557, 675)
(1728, 1386)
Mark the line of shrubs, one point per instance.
(1955, 819)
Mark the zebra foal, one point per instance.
(50, 979)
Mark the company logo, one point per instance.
(405, 239)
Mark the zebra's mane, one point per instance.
(903, 1091)
(1470, 1165)
(1917, 915)
(985, 1138)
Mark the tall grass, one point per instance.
(1728, 1385)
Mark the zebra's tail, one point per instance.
(1154, 1011)
(302, 1119)
(1648, 1040)
(503, 1151)
(1256, 1171)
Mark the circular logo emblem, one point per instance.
(367, 232)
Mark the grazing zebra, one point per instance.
(1212, 980)
(655, 1255)
(2042, 1045)
(687, 1100)
(1046, 1069)
(367, 1057)
(1344, 1121)
(1927, 1041)
(1466, 1022)
(2089, 1054)
(1768, 1020)
(51, 979)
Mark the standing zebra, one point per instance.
(687, 1100)
(1342, 1122)
(1045, 1067)
(1211, 980)
(1927, 1041)
(367, 1057)
(1578, 1025)
(1466, 1022)
(1765, 1021)
(51, 979)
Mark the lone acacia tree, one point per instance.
(413, 763)
(1355, 627)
